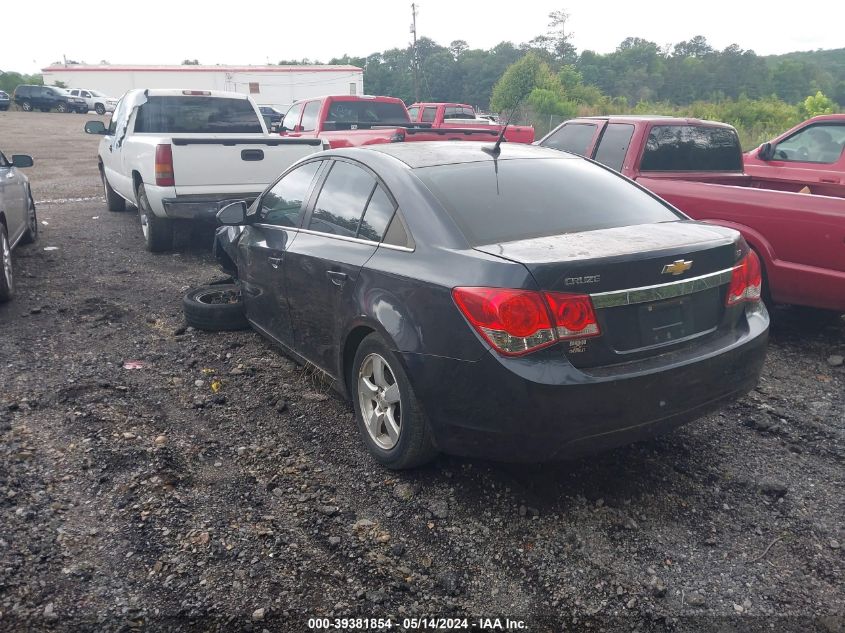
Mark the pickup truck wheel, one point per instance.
(99, 108)
(31, 233)
(61, 108)
(113, 201)
(215, 308)
(26, 106)
(7, 279)
(391, 422)
(158, 232)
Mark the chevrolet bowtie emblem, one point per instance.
(677, 267)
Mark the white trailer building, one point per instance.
(268, 85)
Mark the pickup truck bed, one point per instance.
(355, 121)
(460, 115)
(697, 166)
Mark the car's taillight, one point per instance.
(164, 165)
(517, 322)
(746, 280)
(514, 322)
(573, 315)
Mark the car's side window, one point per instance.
(283, 204)
(309, 116)
(814, 144)
(572, 137)
(413, 113)
(342, 200)
(291, 119)
(3, 161)
(118, 115)
(614, 145)
(380, 210)
(429, 114)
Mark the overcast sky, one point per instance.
(35, 34)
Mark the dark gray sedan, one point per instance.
(523, 305)
(18, 224)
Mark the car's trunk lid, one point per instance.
(654, 286)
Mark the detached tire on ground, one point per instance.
(215, 308)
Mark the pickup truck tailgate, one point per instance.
(234, 164)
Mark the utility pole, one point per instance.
(415, 58)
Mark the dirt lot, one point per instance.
(141, 499)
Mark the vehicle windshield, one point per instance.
(509, 200)
(197, 115)
(346, 113)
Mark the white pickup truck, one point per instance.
(181, 155)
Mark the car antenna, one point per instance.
(497, 149)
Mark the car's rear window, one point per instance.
(691, 148)
(522, 199)
(197, 115)
(344, 114)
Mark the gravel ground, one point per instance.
(222, 487)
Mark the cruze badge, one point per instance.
(677, 267)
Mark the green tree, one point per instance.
(518, 81)
(817, 104)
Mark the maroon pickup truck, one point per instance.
(461, 115)
(697, 166)
(811, 155)
(353, 121)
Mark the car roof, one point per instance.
(435, 153)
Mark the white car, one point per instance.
(96, 100)
(180, 155)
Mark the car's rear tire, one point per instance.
(99, 108)
(31, 233)
(114, 202)
(7, 278)
(26, 106)
(216, 307)
(61, 108)
(390, 420)
(158, 232)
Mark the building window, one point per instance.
(253, 88)
(352, 87)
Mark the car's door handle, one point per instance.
(829, 180)
(338, 278)
(275, 262)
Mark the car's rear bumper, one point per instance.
(537, 409)
(201, 207)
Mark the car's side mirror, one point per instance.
(95, 127)
(233, 214)
(21, 160)
(766, 151)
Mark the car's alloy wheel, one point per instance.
(61, 108)
(26, 106)
(380, 401)
(100, 109)
(390, 420)
(158, 232)
(7, 280)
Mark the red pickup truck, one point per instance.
(352, 121)
(461, 115)
(697, 166)
(809, 155)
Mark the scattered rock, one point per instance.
(334, 541)
(448, 581)
(328, 510)
(835, 361)
(833, 543)
(403, 491)
(630, 524)
(50, 612)
(258, 614)
(695, 599)
(773, 488)
(161, 440)
(439, 509)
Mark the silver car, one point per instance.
(18, 224)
